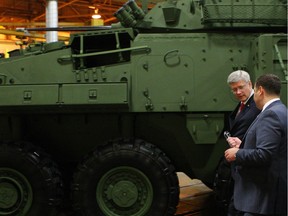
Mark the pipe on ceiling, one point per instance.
(51, 20)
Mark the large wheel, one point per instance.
(126, 178)
(30, 183)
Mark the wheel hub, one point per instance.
(15, 192)
(123, 193)
(8, 195)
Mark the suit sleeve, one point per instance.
(262, 142)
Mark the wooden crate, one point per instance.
(195, 197)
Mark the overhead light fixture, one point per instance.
(96, 15)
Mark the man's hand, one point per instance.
(230, 154)
(234, 142)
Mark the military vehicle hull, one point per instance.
(109, 119)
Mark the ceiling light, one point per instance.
(96, 15)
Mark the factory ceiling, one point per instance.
(31, 13)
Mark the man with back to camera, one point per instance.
(239, 121)
(260, 160)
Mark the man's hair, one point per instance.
(270, 82)
(237, 76)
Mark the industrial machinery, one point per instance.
(106, 121)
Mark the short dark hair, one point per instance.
(270, 82)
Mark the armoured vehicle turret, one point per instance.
(107, 120)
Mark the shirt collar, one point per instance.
(269, 102)
(252, 92)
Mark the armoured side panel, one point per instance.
(176, 76)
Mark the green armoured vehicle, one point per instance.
(111, 117)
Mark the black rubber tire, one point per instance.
(122, 163)
(30, 181)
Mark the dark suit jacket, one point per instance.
(238, 125)
(261, 164)
(241, 122)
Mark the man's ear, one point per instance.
(261, 90)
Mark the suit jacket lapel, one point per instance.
(241, 114)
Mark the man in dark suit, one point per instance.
(246, 110)
(260, 160)
(239, 121)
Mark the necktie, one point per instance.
(242, 105)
